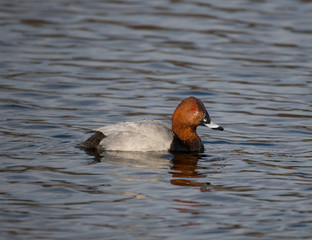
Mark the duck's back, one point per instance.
(136, 136)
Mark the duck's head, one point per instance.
(191, 113)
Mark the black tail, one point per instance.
(93, 141)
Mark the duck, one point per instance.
(156, 135)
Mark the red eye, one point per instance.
(193, 109)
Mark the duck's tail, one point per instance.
(93, 141)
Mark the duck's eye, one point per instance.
(206, 119)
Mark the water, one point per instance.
(71, 66)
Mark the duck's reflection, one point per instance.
(184, 169)
(153, 160)
(182, 166)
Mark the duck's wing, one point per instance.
(136, 136)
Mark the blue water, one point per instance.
(68, 67)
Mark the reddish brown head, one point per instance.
(189, 114)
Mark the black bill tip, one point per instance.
(218, 128)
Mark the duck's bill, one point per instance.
(214, 126)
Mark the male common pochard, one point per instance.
(154, 135)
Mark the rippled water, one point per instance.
(71, 66)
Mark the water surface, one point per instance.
(71, 66)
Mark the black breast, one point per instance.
(178, 145)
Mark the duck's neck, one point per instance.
(188, 136)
